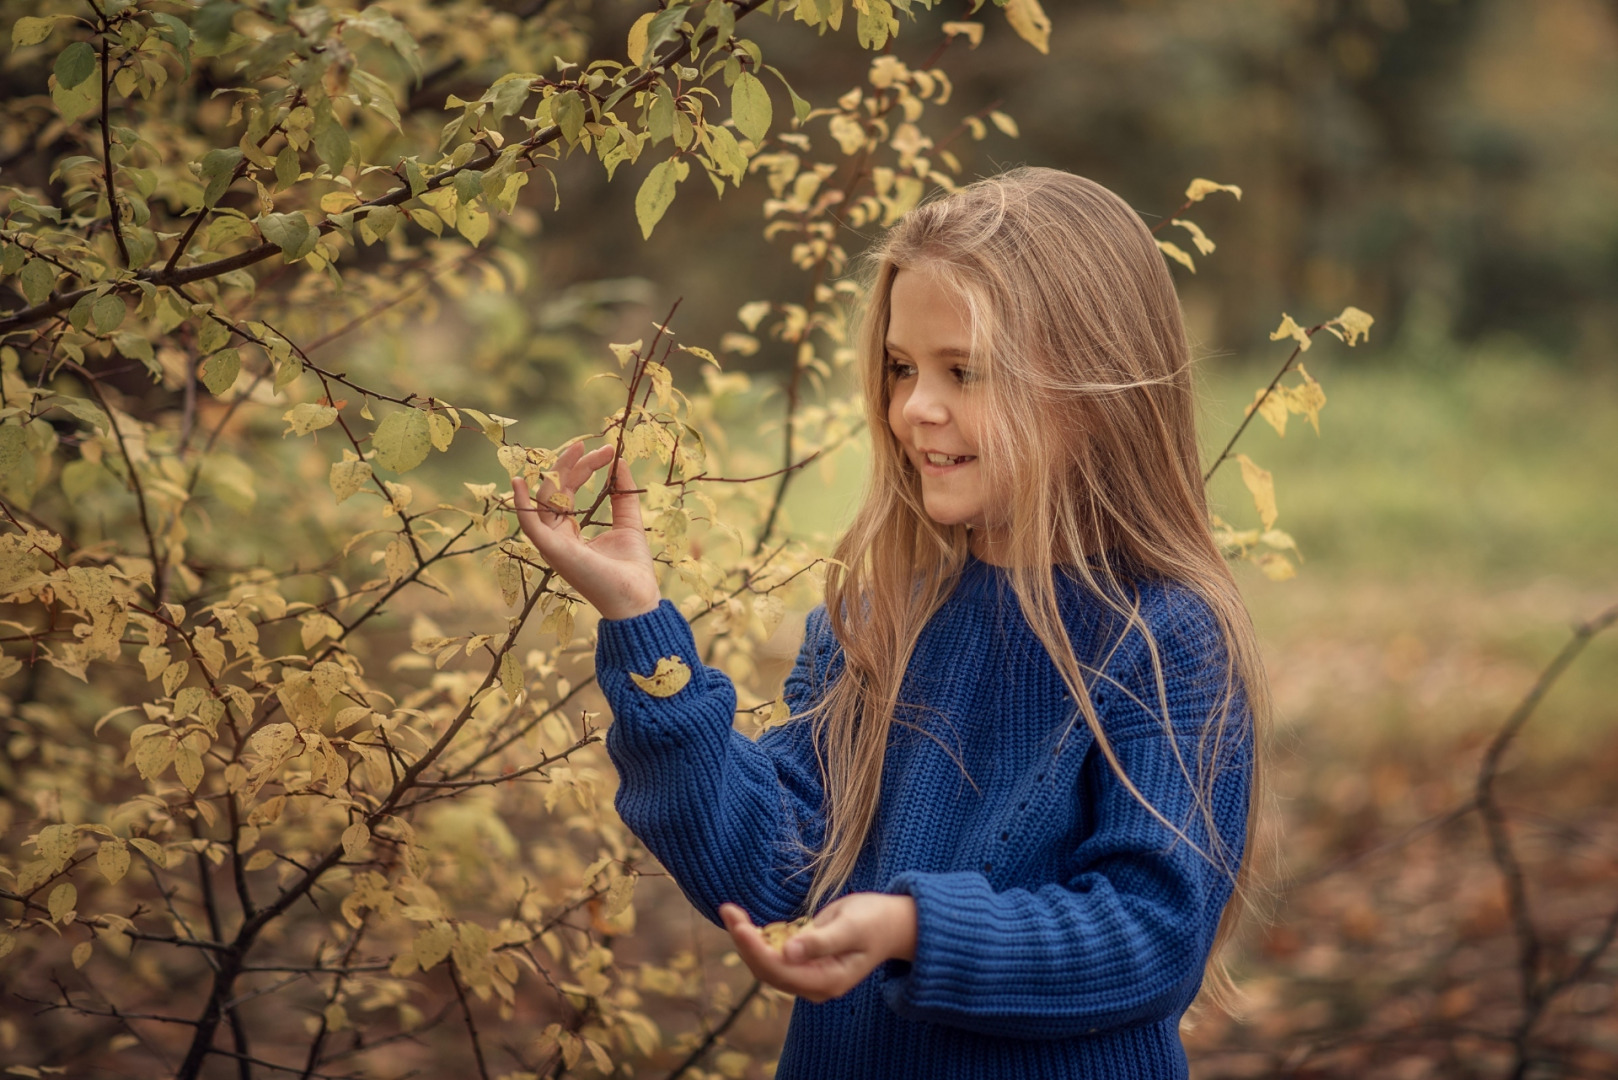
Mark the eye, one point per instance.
(899, 369)
(965, 375)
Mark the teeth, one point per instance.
(945, 459)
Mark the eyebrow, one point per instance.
(950, 352)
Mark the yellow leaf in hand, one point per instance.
(669, 679)
(777, 934)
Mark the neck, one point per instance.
(992, 546)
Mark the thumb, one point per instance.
(818, 940)
(625, 501)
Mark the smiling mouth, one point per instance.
(937, 463)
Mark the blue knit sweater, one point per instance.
(1061, 928)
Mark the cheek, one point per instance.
(896, 419)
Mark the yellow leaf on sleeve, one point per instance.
(667, 680)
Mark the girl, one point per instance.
(1021, 759)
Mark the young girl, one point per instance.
(1022, 754)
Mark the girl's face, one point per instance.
(935, 408)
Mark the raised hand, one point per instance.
(613, 571)
(844, 943)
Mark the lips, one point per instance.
(936, 463)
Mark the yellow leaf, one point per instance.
(667, 680)
(1031, 23)
(1006, 124)
(1356, 324)
(638, 38)
(188, 767)
(1200, 189)
(973, 32)
(259, 860)
(441, 429)
(1198, 237)
(1290, 329)
(62, 901)
(433, 944)
(1272, 406)
(700, 354)
(511, 679)
(1178, 254)
(777, 934)
(1307, 398)
(751, 313)
(1262, 486)
(152, 850)
(81, 953)
(112, 859)
(655, 195)
(355, 837)
(1279, 540)
(1276, 567)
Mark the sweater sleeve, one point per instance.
(1123, 940)
(725, 814)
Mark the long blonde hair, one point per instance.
(1077, 338)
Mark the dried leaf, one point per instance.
(668, 679)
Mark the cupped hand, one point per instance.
(845, 942)
(613, 571)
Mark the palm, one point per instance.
(613, 571)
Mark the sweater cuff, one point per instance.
(640, 641)
(951, 910)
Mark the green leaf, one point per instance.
(660, 117)
(402, 440)
(750, 106)
(287, 167)
(31, 30)
(876, 24)
(655, 194)
(213, 21)
(85, 411)
(331, 141)
(77, 63)
(567, 109)
(108, 313)
(800, 107)
(727, 153)
(290, 232)
(13, 448)
(664, 27)
(219, 371)
(218, 170)
(38, 278)
(72, 103)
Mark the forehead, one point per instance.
(927, 316)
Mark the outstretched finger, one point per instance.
(625, 499)
(534, 522)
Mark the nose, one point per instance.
(925, 405)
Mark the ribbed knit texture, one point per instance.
(1061, 928)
